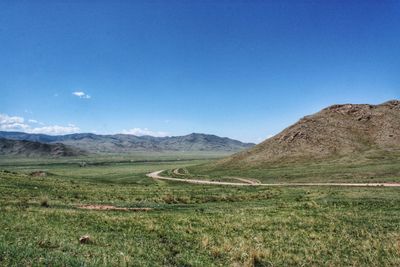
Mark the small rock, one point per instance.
(85, 239)
(82, 164)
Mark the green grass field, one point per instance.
(189, 225)
(371, 167)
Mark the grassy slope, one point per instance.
(190, 225)
(372, 167)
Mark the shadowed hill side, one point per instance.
(335, 131)
(36, 149)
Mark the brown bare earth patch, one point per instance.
(110, 207)
(38, 174)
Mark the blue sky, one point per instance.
(242, 69)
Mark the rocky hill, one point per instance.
(333, 132)
(122, 143)
(36, 149)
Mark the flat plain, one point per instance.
(187, 225)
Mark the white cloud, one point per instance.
(81, 95)
(13, 126)
(54, 130)
(5, 119)
(144, 131)
(32, 121)
(12, 123)
(15, 123)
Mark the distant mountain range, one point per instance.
(123, 143)
(36, 149)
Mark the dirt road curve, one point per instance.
(156, 175)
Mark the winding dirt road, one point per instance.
(156, 175)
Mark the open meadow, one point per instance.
(42, 219)
(372, 167)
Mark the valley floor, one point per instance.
(186, 225)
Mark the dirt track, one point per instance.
(156, 175)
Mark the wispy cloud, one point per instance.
(13, 127)
(144, 131)
(15, 123)
(5, 119)
(81, 94)
(54, 130)
(9, 123)
(35, 122)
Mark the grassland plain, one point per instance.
(189, 225)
